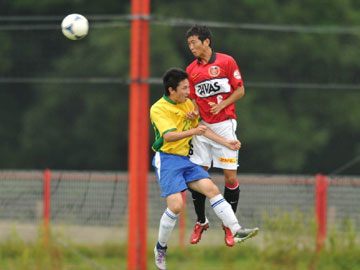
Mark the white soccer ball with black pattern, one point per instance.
(75, 26)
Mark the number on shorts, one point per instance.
(191, 150)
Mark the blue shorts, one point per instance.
(173, 172)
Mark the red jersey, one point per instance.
(214, 82)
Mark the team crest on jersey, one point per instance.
(237, 74)
(214, 71)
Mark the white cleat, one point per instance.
(244, 234)
(160, 258)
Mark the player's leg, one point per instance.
(199, 154)
(169, 217)
(227, 160)
(231, 189)
(167, 224)
(231, 195)
(202, 223)
(223, 210)
(221, 207)
(169, 173)
(199, 204)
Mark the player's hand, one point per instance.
(233, 145)
(200, 130)
(215, 108)
(192, 115)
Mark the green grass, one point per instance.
(287, 241)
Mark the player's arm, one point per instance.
(173, 136)
(236, 95)
(231, 144)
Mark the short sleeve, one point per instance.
(234, 74)
(160, 120)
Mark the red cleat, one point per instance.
(197, 231)
(229, 238)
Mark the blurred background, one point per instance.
(64, 106)
(64, 103)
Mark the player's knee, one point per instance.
(230, 179)
(213, 190)
(176, 207)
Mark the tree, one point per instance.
(283, 130)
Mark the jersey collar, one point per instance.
(169, 100)
(211, 60)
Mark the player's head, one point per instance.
(199, 41)
(201, 31)
(176, 85)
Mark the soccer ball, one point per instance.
(75, 26)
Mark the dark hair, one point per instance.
(172, 78)
(202, 31)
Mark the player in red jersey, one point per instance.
(215, 86)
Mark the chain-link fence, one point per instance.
(100, 199)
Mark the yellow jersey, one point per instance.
(165, 116)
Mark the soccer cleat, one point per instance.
(198, 230)
(229, 238)
(243, 234)
(160, 258)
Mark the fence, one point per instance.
(99, 199)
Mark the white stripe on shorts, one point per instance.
(157, 163)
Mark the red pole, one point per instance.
(138, 135)
(46, 206)
(321, 209)
(144, 131)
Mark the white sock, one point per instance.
(224, 211)
(167, 224)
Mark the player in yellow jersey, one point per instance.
(170, 117)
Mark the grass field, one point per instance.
(286, 242)
(17, 256)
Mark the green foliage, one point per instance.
(88, 128)
(84, 126)
(89, 120)
(343, 246)
(17, 254)
(286, 241)
(289, 238)
(63, 7)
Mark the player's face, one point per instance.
(181, 93)
(198, 47)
